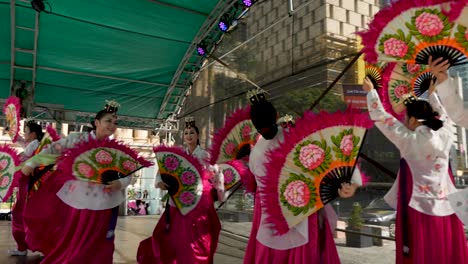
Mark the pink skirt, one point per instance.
(192, 238)
(430, 239)
(65, 234)
(17, 223)
(320, 249)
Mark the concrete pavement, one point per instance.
(132, 229)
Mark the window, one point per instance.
(331, 11)
(347, 16)
(363, 21)
(356, 6)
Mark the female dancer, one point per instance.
(310, 241)
(32, 136)
(63, 233)
(192, 238)
(428, 231)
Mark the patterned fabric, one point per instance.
(427, 154)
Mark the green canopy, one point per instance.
(141, 53)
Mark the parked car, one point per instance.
(378, 212)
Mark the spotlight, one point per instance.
(201, 50)
(224, 23)
(223, 26)
(247, 3)
(38, 5)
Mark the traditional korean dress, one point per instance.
(191, 238)
(309, 242)
(17, 224)
(428, 231)
(72, 221)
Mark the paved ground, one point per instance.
(131, 230)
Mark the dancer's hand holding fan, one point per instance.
(399, 81)
(306, 171)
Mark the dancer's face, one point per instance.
(106, 126)
(190, 136)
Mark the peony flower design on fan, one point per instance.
(229, 149)
(187, 198)
(246, 131)
(413, 69)
(4, 163)
(129, 165)
(398, 89)
(462, 36)
(188, 177)
(229, 176)
(5, 180)
(397, 45)
(171, 162)
(346, 145)
(103, 157)
(429, 25)
(313, 156)
(298, 194)
(85, 170)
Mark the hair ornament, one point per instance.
(256, 96)
(111, 106)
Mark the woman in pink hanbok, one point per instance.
(311, 241)
(71, 221)
(191, 238)
(32, 136)
(428, 231)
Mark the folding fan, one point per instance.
(307, 169)
(11, 109)
(413, 30)
(100, 161)
(374, 73)
(42, 172)
(50, 136)
(235, 171)
(9, 159)
(457, 12)
(235, 139)
(184, 175)
(400, 79)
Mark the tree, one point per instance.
(298, 101)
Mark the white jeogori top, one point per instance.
(427, 154)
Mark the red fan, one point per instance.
(11, 109)
(235, 171)
(184, 175)
(401, 79)
(233, 142)
(9, 159)
(234, 139)
(307, 169)
(100, 161)
(413, 30)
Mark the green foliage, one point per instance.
(298, 101)
(355, 221)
